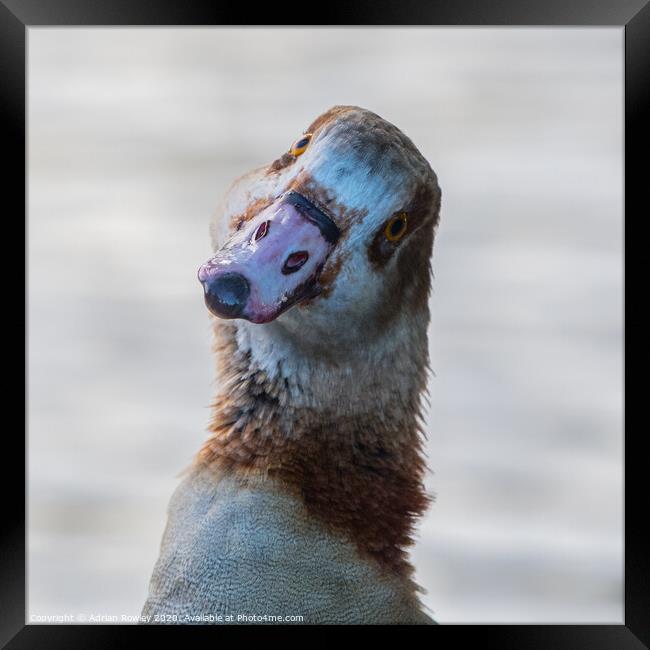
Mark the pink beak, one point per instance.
(272, 263)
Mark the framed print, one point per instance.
(325, 324)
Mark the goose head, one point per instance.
(332, 239)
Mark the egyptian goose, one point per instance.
(303, 499)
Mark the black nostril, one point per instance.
(294, 262)
(226, 295)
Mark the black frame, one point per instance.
(17, 15)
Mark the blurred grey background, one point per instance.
(133, 136)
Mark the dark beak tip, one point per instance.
(226, 295)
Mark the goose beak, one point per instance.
(272, 263)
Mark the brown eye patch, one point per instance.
(283, 161)
(299, 146)
(387, 238)
(422, 210)
(396, 227)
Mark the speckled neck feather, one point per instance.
(360, 474)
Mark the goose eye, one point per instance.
(299, 146)
(396, 227)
